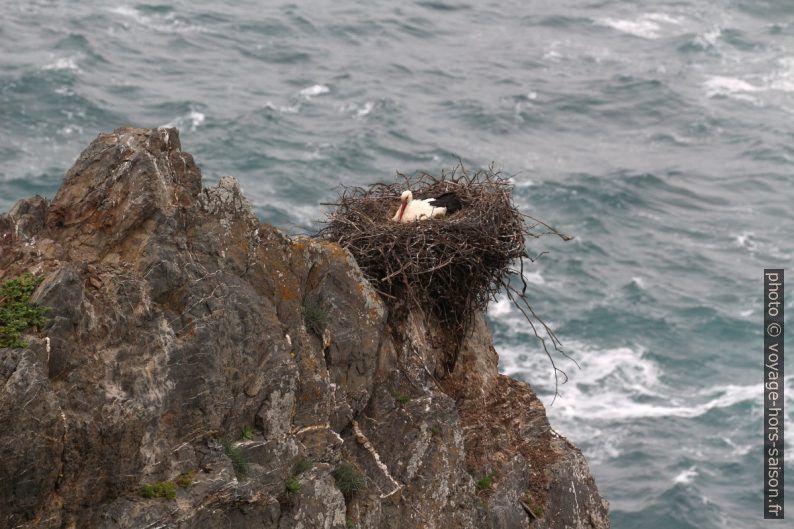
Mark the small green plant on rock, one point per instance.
(17, 313)
(349, 479)
(186, 479)
(401, 398)
(537, 507)
(315, 316)
(247, 433)
(435, 430)
(292, 487)
(349, 523)
(485, 483)
(161, 489)
(239, 461)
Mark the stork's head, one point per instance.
(405, 198)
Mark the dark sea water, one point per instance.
(659, 133)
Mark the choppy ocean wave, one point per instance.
(646, 25)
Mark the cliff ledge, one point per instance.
(177, 354)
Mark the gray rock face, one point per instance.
(178, 322)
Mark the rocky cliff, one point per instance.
(199, 369)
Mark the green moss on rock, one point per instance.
(161, 489)
(17, 313)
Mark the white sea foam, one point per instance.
(709, 38)
(639, 28)
(782, 78)
(191, 120)
(129, 12)
(71, 129)
(647, 215)
(686, 476)
(647, 26)
(663, 18)
(501, 308)
(62, 63)
(358, 111)
(743, 239)
(287, 109)
(196, 119)
(553, 56)
(613, 389)
(366, 109)
(724, 86)
(165, 24)
(626, 380)
(754, 89)
(314, 90)
(754, 245)
(525, 182)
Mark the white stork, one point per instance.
(428, 208)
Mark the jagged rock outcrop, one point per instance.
(177, 322)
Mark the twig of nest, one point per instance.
(450, 267)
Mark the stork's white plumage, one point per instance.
(411, 210)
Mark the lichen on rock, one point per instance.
(177, 321)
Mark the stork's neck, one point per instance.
(402, 210)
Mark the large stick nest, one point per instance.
(450, 267)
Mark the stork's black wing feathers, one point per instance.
(449, 200)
